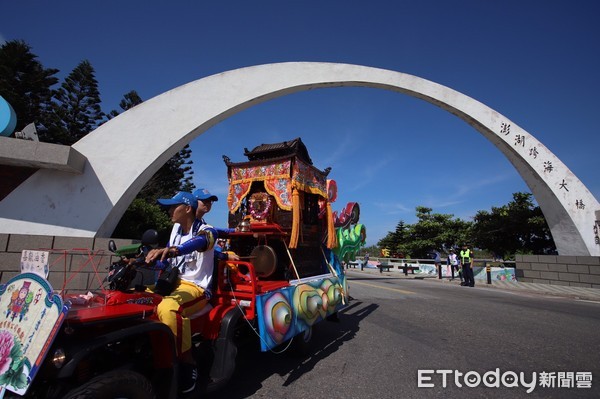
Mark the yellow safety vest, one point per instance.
(465, 256)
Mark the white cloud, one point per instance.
(393, 208)
(341, 151)
(462, 192)
(368, 171)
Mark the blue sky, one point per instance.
(535, 61)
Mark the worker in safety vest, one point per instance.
(466, 260)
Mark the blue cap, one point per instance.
(203, 194)
(181, 197)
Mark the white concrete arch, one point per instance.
(123, 153)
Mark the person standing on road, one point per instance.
(466, 260)
(452, 262)
(365, 262)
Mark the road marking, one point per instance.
(588, 301)
(382, 287)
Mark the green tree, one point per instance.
(185, 168)
(129, 101)
(372, 250)
(175, 175)
(396, 241)
(77, 110)
(516, 228)
(26, 84)
(66, 115)
(140, 216)
(432, 231)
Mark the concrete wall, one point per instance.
(73, 260)
(577, 271)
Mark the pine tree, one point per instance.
(26, 84)
(76, 111)
(129, 101)
(186, 167)
(175, 175)
(518, 227)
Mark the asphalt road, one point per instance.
(394, 327)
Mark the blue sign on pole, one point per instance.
(8, 118)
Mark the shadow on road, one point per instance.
(254, 367)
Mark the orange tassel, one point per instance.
(229, 198)
(296, 211)
(331, 236)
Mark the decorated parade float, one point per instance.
(280, 205)
(105, 340)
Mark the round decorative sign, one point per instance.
(331, 190)
(8, 118)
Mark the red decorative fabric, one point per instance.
(279, 179)
(276, 177)
(280, 189)
(237, 192)
(309, 179)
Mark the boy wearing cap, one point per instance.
(203, 194)
(190, 249)
(205, 200)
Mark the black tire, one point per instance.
(122, 384)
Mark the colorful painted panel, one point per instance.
(284, 313)
(497, 273)
(30, 317)
(350, 241)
